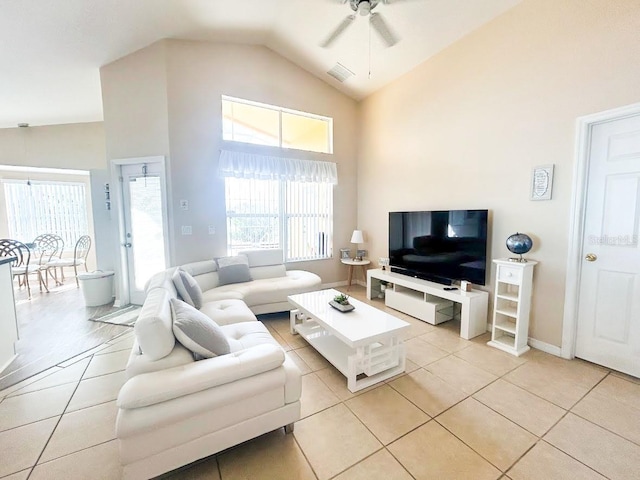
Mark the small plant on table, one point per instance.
(342, 299)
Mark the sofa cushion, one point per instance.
(197, 332)
(186, 380)
(227, 311)
(187, 288)
(268, 271)
(204, 272)
(233, 270)
(139, 363)
(153, 327)
(200, 268)
(248, 334)
(162, 280)
(264, 257)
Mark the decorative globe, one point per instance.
(519, 243)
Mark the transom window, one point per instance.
(262, 124)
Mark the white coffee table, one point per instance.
(365, 344)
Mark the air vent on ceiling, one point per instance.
(340, 72)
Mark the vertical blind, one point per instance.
(275, 202)
(309, 220)
(46, 207)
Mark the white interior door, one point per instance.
(608, 331)
(144, 214)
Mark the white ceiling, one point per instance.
(51, 51)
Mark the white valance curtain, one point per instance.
(263, 167)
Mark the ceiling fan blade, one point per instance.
(380, 26)
(338, 31)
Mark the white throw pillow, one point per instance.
(187, 288)
(197, 332)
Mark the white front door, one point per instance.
(144, 214)
(608, 331)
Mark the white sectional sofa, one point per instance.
(174, 410)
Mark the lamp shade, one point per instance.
(357, 237)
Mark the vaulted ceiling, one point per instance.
(51, 51)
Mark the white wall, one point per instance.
(464, 129)
(196, 75)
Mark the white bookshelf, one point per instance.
(512, 305)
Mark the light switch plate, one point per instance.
(212, 230)
(186, 229)
(184, 204)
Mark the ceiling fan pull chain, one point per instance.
(369, 48)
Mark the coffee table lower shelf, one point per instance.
(363, 366)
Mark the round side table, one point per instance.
(356, 263)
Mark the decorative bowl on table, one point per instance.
(341, 303)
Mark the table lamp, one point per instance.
(357, 238)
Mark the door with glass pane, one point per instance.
(144, 214)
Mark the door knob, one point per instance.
(128, 245)
(591, 257)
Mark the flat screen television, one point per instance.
(440, 246)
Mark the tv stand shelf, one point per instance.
(430, 302)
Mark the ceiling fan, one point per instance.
(364, 8)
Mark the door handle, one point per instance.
(128, 245)
(591, 257)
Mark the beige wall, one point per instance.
(196, 75)
(134, 99)
(465, 129)
(78, 146)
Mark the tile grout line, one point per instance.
(58, 422)
(306, 459)
(469, 396)
(588, 421)
(542, 439)
(538, 438)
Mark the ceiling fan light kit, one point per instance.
(364, 8)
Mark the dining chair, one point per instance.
(21, 266)
(80, 252)
(47, 247)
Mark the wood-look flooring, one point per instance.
(54, 327)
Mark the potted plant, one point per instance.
(342, 299)
(341, 302)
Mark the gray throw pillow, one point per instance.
(197, 332)
(187, 288)
(233, 270)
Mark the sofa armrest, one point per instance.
(156, 387)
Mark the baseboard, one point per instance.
(545, 347)
(333, 285)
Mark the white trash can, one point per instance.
(97, 287)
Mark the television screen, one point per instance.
(441, 246)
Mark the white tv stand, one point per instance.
(425, 300)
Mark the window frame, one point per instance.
(70, 241)
(280, 111)
(283, 216)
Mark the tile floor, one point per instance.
(461, 411)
